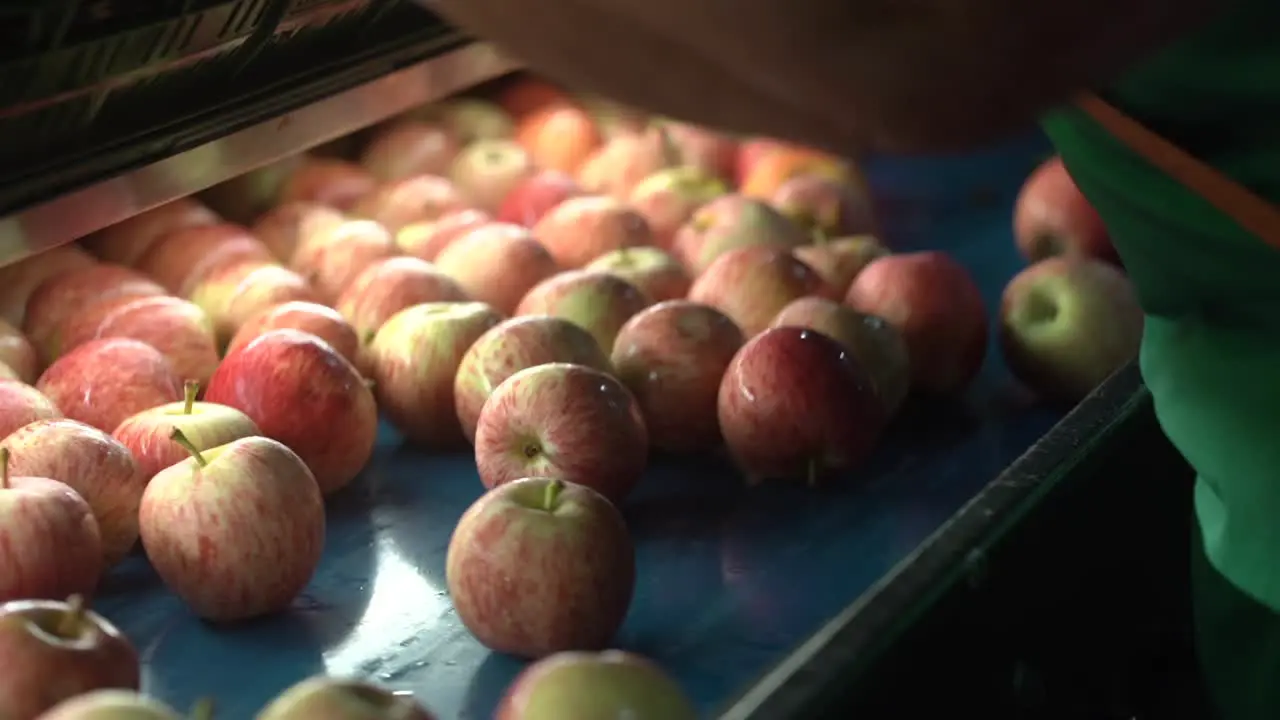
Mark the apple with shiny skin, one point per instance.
(598, 302)
(331, 260)
(234, 294)
(389, 286)
(320, 320)
(332, 698)
(752, 284)
(22, 404)
(497, 264)
(205, 425)
(839, 260)
(182, 259)
(1052, 218)
(652, 270)
(730, 222)
(67, 296)
(102, 382)
(53, 650)
(539, 566)
(515, 345)
(21, 279)
(585, 686)
(179, 329)
(236, 531)
(297, 389)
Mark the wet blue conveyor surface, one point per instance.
(730, 579)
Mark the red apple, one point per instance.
(19, 280)
(180, 330)
(407, 148)
(21, 404)
(116, 705)
(616, 167)
(282, 228)
(234, 294)
(420, 198)
(205, 425)
(730, 222)
(497, 264)
(18, 353)
(319, 320)
(795, 404)
(53, 650)
(471, 119)
(668, 199)
(872, 341)
(128, 240)
(485, 172)
(611, 684)
(1068, 323)
(750, 152)
(653, 271)
(102, 382)
(936, 306)
(426, 240)
(297, 389)
(752, 284)
(389, 286)
(50, 545)
(512, 346)
(331, 260)
(414, 358)
(93, 464)
(827, 207)
(536, 195)
(336, 183)
(236, 531)
(559, 136)
(538, 566)
(839, 260)
(712, 152)
(598, 302)
(65, 296)
(582, 229)
(672, 357)
(566, 421)
(182, 259)
(1052, 217)
(331, 698)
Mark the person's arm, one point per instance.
(845, 75)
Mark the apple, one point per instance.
(414, 358)
(559, 136)
(512, 346)
(92, 463)
(420, 198)
(53, 650)
(672, 357)
(795, 404)
(50, 545)
(497, 264)
(426, 240)
(751, 151)
(668, 199)
(938, 309)
(72, 293)
(325, 181)
(283, 227)
(235, 531)
(652, 270)
(610, 684)
(1068, 323)
(598, 302)
(182, 259)
(752, 284)
(1052, 217)
(234, 294)
(539, 565)
(297, 389)
(19, 280)
(331, 260)
(205, 425)
(839, 260)
(536, 195)
(21, 404)
(773, 168)
(330, 698)
(128, 240)
(713, 153)
(527, 95)
(471, 119)
(118, 705)
(245, 196)
(872, 341)
(825, 206)
(730, 222)
(18, 353)
(180, 330)
(389, 286)
(318, 320)
(407, 148)
(562, 420)
(102, 382)
(486, 171)
(616, 167)
(583, 228)
(613, 118)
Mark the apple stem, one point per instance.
(551, 494)
(202, 709)
(4, 468)
(177, 436)
(190, 389)
(69, 624)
